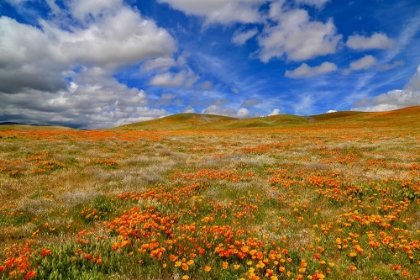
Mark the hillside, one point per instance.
(190, 121)
(180, 122)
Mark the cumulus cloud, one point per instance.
(27, 59)
(305, 71)
(189, 109)
(296, 36)
(116, 40)
(363, 63)
(160, 63)
(89, 102)
(275, 112)
(243, 113)
(395, 99)
(184, 78)
(331, 111)
(81, 9)
(220, 11)
(35, 58)
(392, 100)
(414, 83)
(316, 3)
(241, 37)
(230, 112)
(376, 41)
(63, 74)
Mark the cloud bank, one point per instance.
(395, 99)
(66, 73)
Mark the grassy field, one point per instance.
(207, 197)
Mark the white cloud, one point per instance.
(331, 111)
(316, 3)
(90, 102)
(168, 79)
(220, 11)
(243, 113)
(28, 59)
(184, 78)
(414, 83)
(296, 36)
(275, 112)
(217, 110)
(240, 38)
(395, 99)
(363, 63)
(189, 109)
(392, 100)
(35, 64)
(376, 41)
(112, 41)
(160, 63)
(81, 9)
(305, 71)
(35, 58)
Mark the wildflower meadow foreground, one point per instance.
(332, 197)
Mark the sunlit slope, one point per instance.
(336, 116)
(180, 121)
(402, 117)
(271, 121)
(405, 117)
(198, 121)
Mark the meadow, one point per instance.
(332, 196)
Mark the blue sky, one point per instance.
(102, 63)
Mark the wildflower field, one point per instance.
(329, 197)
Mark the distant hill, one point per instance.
(191, 121)
(408, 117)
(8, 123)
(19, 126)
(205, 121)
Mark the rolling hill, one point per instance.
(186, 121)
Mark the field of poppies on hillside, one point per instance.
(331, 199)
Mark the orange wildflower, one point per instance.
(184, 266)
(45, 252)
(30, 274)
